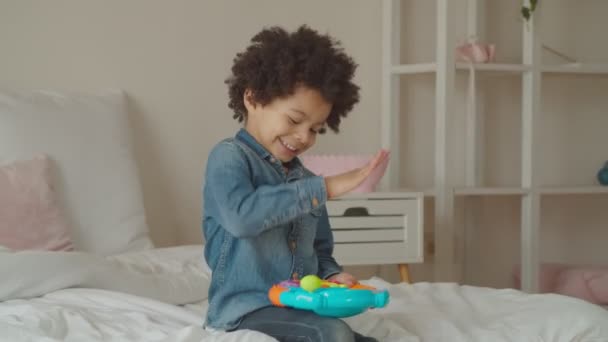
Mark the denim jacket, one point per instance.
(262, 225)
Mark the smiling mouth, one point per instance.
(287, 146)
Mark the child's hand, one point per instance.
(344, 278)
(340, 184)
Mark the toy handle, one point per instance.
(359, 286)
(311, 282)
(333, 284)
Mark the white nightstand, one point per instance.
(378, 228)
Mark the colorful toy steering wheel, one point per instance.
(327, 298)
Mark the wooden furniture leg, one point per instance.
(404, 272)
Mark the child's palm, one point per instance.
(340, 184)
(344, 278)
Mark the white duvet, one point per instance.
(160, 295)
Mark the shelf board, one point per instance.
(490, 191)
(507, 191)
(576, 68)
(495, 67)
(420, 68)
(574, 190)
(416, 68)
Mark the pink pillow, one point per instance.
(548, 275)
(585, 282)
(589, 283)
(30, 214)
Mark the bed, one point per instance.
(160, 295)
(111, 284)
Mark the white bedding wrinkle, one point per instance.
(171, 275)
(450, 312)
(100, 315)
(132, 297)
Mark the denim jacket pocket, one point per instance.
(308, 231)
(317, 212)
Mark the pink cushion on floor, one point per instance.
(585, 282)
(30, 213)
(589, 283)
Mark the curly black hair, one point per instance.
(277, 62)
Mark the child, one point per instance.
(265, 219)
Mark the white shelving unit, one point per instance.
(450, 240)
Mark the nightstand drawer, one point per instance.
(377, 229)
(369, 235)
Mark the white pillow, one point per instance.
(88, 137)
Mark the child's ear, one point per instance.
(248, 100)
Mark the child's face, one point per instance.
(288, 126)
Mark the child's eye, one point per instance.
(292, 121)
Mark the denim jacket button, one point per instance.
(295, 275)
(315, 202)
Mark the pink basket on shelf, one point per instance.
(329, 165)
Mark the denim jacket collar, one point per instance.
(245, 137)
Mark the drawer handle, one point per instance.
(356, 211)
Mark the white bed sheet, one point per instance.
(141, 296)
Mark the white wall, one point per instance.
(172, 58)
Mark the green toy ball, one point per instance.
(310, 283)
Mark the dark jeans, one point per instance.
(291, 325)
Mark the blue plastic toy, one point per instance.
(327, 298)
(602, 175)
